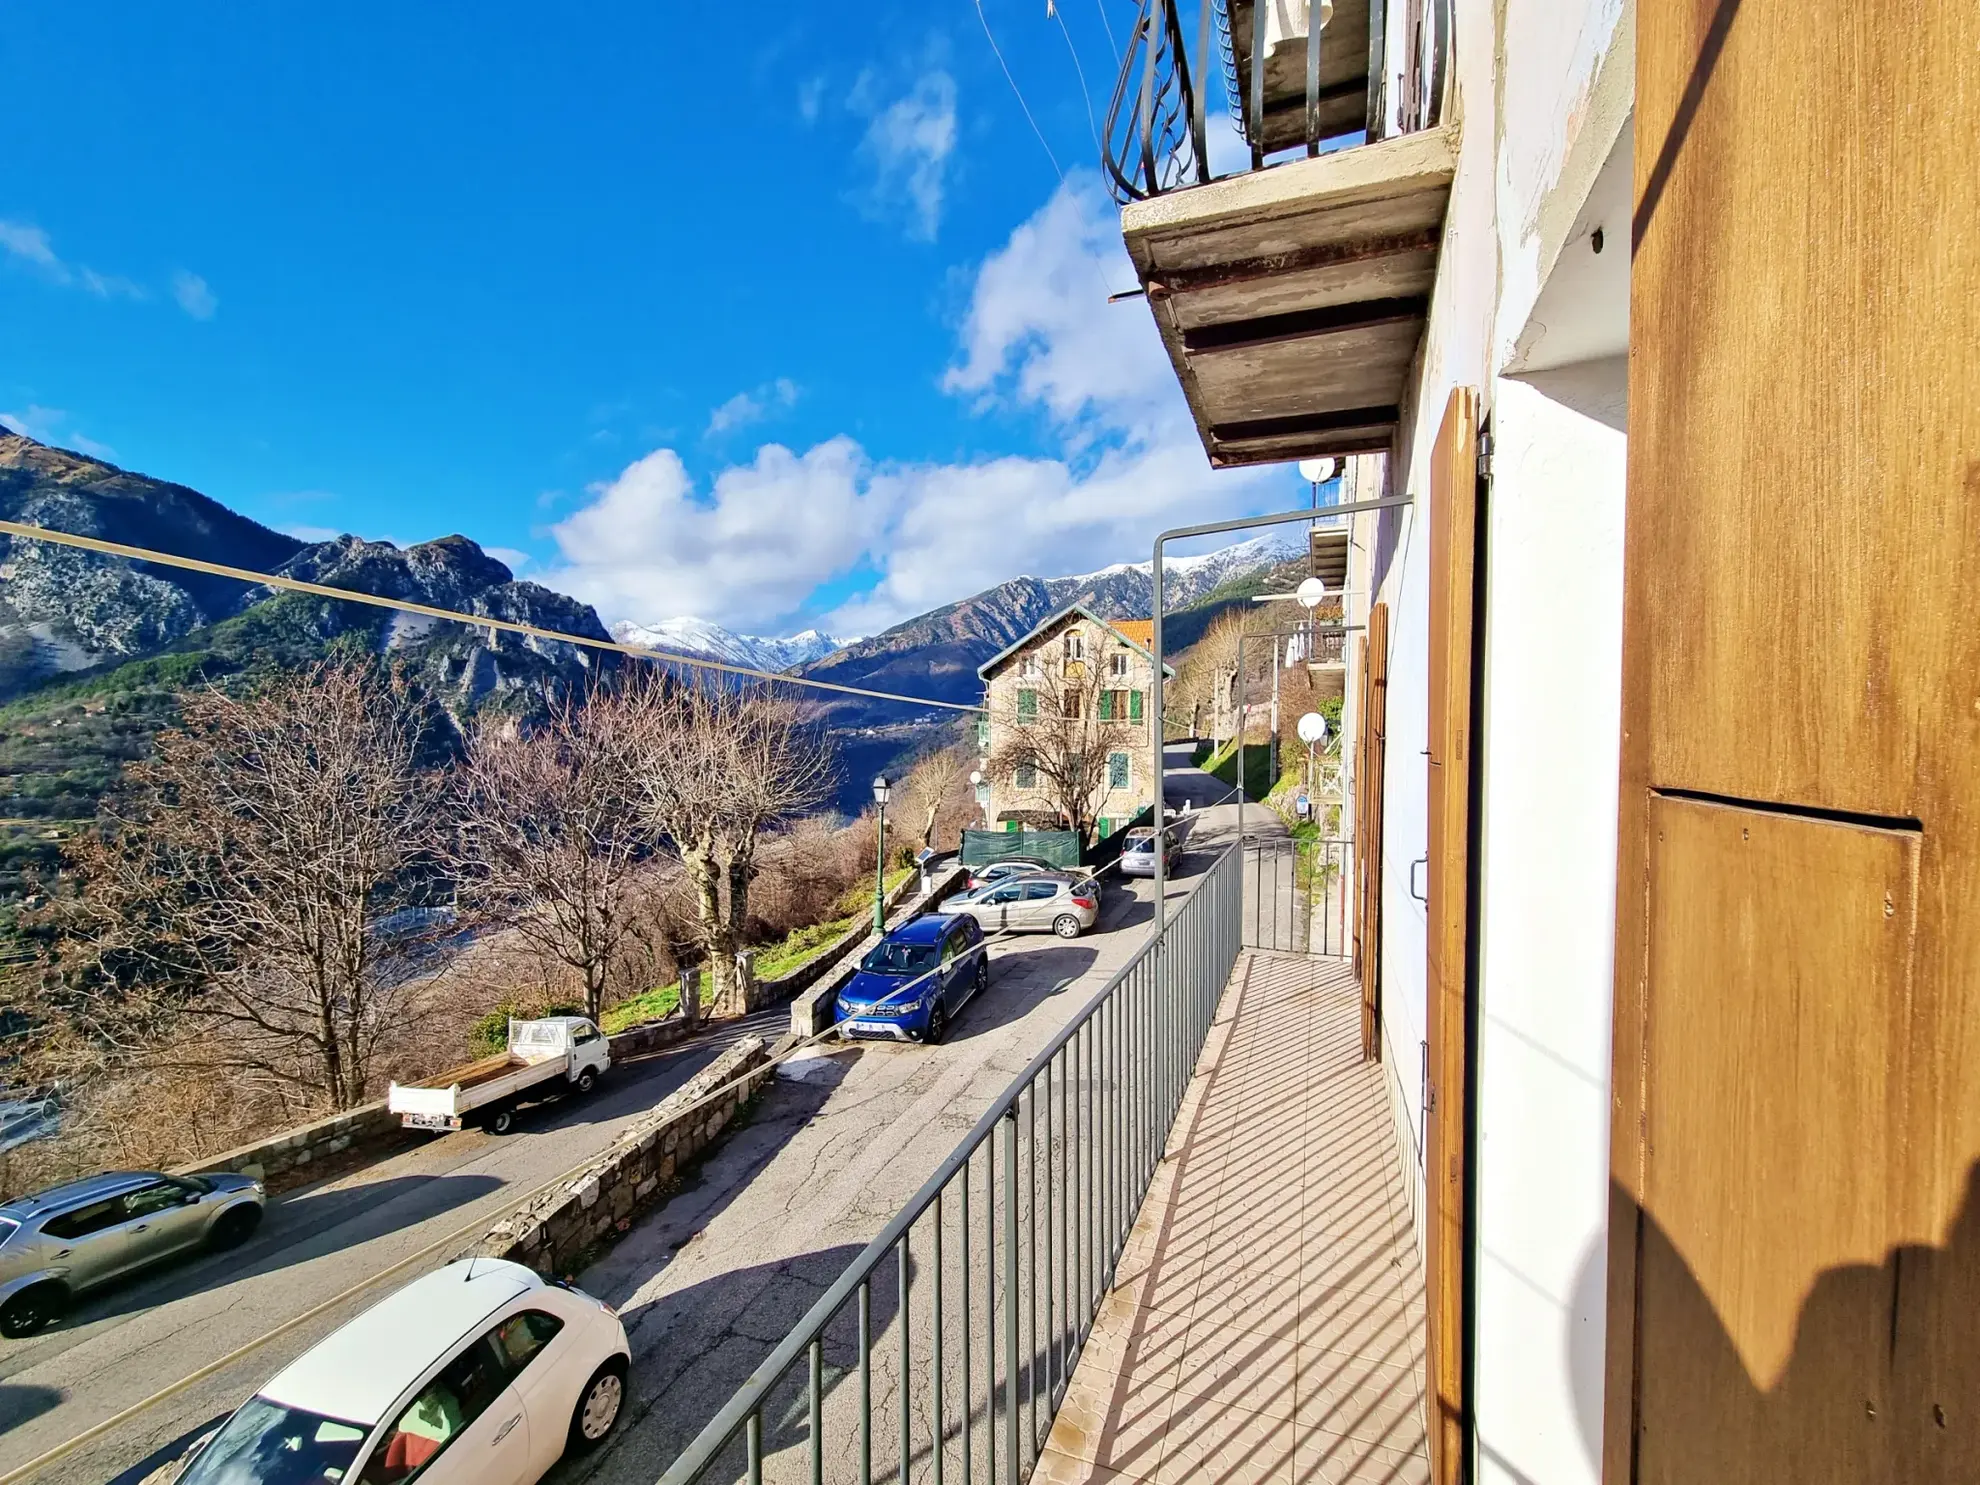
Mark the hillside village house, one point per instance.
(1085, 679)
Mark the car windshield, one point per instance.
(268, 1444)
(900, 959)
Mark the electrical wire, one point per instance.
(475, 621)
(1107, 26)
(999, 52)
(1086, 95)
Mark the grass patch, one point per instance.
(797, 949)
(649, 1005)
(1257, 756)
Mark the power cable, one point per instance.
(475, 621)
(998, 51)
(1086, 95)
(1107, 26)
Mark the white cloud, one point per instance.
(51, 425)
(509, 557)
(194, 297)
(32, 246)
(754, 406)
(304, 532)
(909, 143)
(1039, 335)
(811, 95)
(748, 551)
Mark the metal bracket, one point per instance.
(1419, 896)
(1484, 453)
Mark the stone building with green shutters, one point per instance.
(1066, 742)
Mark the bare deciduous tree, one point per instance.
(549, 843)
(716, 766)
(246, 871)
(1066, 743)
(935, 789)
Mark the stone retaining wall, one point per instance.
(294, 1151)
(811, 1012)
(794, 983)
(636, 1172)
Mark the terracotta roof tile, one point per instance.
(1138, 631)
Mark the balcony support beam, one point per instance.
(1298, 260)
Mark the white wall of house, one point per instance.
(1527, 312)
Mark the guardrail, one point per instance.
(996, 1268)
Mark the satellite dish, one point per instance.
(1312, 728)
(1311, 593)
(1318, 471)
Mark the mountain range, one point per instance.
(699, 637)
(94, 648)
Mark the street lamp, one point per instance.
(981, 795)
(881, 789)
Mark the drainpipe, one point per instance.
(1212, 528)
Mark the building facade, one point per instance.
(1066, 739)
(1662, 746)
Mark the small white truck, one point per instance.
(553, 1055)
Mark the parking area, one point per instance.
(712, 1281)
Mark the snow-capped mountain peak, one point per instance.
(693, 636)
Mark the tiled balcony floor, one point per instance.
(1267, 1320)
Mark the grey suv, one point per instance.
(60, 1242)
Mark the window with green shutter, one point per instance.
(1027, 705)
(1117, 771)
(983, 732)
(1106, 706)
(1134, 706)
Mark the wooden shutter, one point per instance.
(1794, 1241)
(1453, 596)
(1371, 751)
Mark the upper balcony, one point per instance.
(1291, 294)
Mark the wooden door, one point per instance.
(1453, 605)
(1794, 1247)
(1370, 753)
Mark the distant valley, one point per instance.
(93, 648)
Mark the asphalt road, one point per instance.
(710, 1283)
(707, 1284)
(314, 1244)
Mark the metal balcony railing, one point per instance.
(995, 1270)
(1157, 136)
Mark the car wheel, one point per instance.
(983, 972)
(1066, 926)
(234, 1226)
(34, 1308)
(938, 1024)
(598, 1406)
(587, 1080)
(501, 1121)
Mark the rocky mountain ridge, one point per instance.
(690, 636)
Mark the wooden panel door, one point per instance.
(1453, 602)
(1794, 1257)
(1371, 751)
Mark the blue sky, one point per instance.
(772, 329)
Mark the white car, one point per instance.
(481, 1373)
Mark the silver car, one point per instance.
(1138, 852)
(1037, 902)
(59, 1243)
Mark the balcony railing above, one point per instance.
(1321, 85)
(1291, 295)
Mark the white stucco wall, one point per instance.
(1548, 751)
(1544, 91)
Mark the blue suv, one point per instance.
(911, 986)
